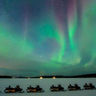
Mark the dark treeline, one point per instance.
(57, 76)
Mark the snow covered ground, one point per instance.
(45, 84)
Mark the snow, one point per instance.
(45, 84)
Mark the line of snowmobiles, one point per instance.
(53, 88)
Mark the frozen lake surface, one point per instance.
(45, 84)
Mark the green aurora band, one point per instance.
(42, 41)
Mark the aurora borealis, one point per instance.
(47, 37)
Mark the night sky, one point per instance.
(47, 37)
